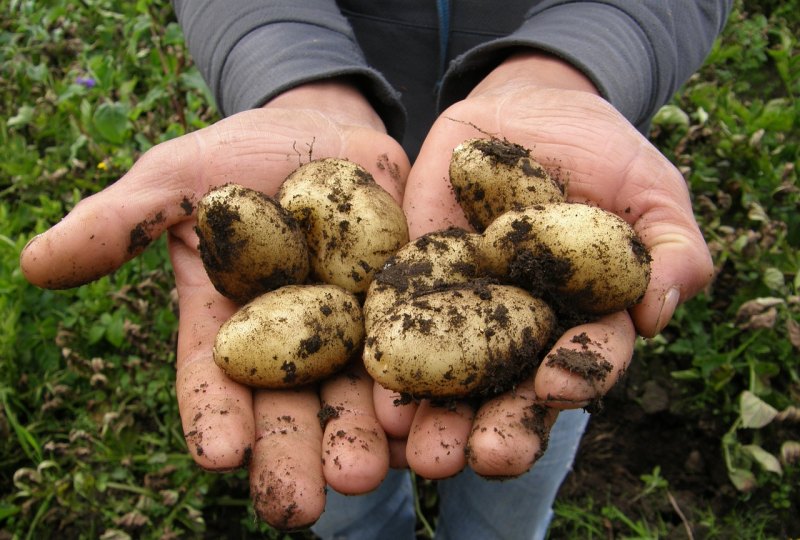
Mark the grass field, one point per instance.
(90, 439)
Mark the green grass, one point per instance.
(90, 438)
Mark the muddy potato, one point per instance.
(581, 256)
(492, 176)
(433, 261)
(248, 243)
(352, 224)
(291, 336)
(467, 340)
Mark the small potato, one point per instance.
(474, 339)
(434, 261)
(291, 336)
(493, 176)
(248, 243)
(352, 224)
(579, 256)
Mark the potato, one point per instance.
(291, 336)
(476, 338)
(434, 261)
(493, 176)
(352, 224)
(580, 256)
(248, 243)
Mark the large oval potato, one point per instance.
(291, 336)
(433, 261)
(248, 243)
(493, 176)
(580, 256)
(467, 340)
(352, 224)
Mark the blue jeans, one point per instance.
(470, 507)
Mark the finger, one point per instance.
(438, 438)
(510, 433)
(111, 227)
(586, 362)
(216, 413)
(287, 484)
(394, 413)
(681, 262)
(356, 451)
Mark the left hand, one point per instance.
(275, 433)
(548, 106)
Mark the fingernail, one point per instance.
(668, 305)
(31, 241)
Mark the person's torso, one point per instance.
(403, 40)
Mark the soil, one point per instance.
(640, 427)
(142, 233)
(588, 364)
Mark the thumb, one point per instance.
(109, 228)
(681, 266)
(681, 263)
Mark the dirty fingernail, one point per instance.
(668, 305)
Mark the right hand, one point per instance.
(543, 103)
(277, 434)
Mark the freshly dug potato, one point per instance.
(291, 336)
(248, 243)
(493, 176)
(434, 261)
(352, 224)
(586, 258)
(477, 338)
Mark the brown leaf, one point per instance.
(766, 319)
(793, 329)
(132, 520)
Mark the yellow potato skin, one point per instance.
(493, 176)
(474, 339)
(435, 260)
(352, 224)
(248, 243)
(590, 259)
(291, 336)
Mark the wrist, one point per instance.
(534, 68)
(338, 99)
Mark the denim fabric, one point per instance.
(470, 507)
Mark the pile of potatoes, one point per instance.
(299, 266)
(326, 270)
(457, 313)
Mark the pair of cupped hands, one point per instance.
(530, 99)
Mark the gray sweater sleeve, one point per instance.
(638, 53)
(250, 51)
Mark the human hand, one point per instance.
(277, 434)
(546, 105)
